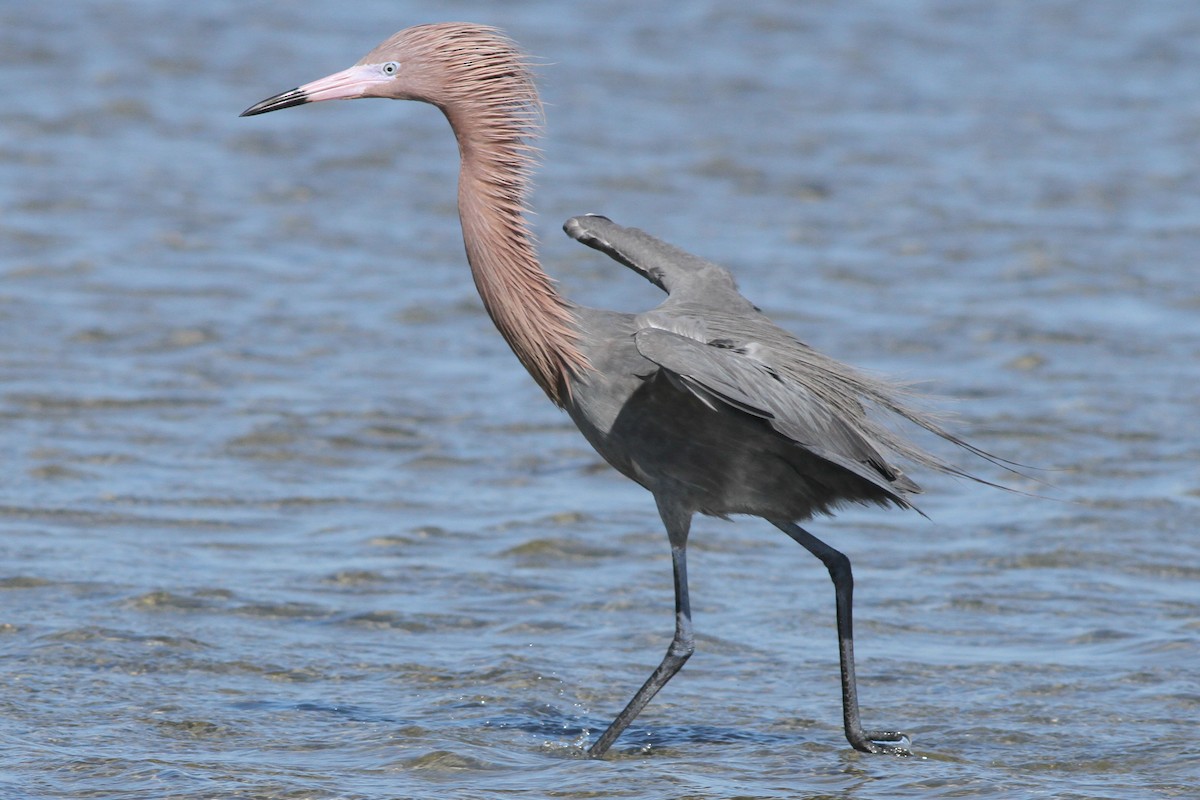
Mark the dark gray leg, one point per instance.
(843, 587)
(678, 523)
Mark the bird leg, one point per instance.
(682, 645)
(892, 742)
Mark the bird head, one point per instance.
(437, 64)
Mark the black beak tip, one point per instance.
(292, 97)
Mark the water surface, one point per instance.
(283, 517)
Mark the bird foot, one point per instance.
(893, 743)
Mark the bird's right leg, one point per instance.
(678, 523)
(838, 564)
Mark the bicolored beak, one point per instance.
(345, 85)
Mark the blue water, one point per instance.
(284, 518)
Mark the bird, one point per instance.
(702, 400)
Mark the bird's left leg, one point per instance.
(838, 565)
(678, 523)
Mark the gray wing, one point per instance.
(666, 266)
(729, 377)
(724, 350)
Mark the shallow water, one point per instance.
(284, 518)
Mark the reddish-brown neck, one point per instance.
(519, 296)
(483, 84)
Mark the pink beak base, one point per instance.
(345, 85)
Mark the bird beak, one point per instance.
(345, 85)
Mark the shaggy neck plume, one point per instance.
(490, 100)
(520, 298)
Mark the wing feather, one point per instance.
(749, 385)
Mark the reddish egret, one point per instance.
(703, 401)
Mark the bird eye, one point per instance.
(390, 68)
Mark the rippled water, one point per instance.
(284, 518)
